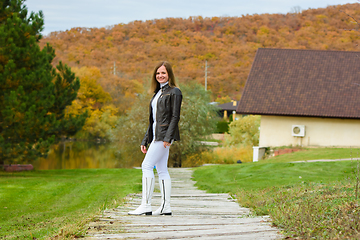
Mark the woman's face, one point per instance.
(162, 75)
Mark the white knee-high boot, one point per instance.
(147, 192)
(165, 189)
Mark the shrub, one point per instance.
(222, 126)
(223, 155)
(244, 132)
(197, 120)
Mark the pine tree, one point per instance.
(33, 94)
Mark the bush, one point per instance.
(223, 155)
(244, 132)
(197, 120)
(222, 127)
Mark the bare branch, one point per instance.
(350, 16)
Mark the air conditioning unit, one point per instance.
(298, 130)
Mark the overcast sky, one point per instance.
(66, 14)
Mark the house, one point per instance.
(228, 108)
(305, 97)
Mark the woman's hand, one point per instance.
(166, 144)
(143, 149)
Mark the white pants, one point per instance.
(156, 156)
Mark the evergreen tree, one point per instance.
(33, 94)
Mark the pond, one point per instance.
(76, 154)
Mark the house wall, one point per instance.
(276, 131)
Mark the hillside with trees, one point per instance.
(125, 54)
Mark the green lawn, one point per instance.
(43, 204)
(311, 200)
(317, 153)
(253, 176)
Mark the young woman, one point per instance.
(162, 131)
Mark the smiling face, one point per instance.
(162, 75)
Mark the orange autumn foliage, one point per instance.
(228, 44)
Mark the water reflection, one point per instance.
(73, 155)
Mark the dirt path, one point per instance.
(196, 215)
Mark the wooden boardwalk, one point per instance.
(196, 215)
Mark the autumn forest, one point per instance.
(114, 63)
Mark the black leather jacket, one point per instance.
(167, 116)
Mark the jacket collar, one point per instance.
(165, 87)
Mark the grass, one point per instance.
(313, 200)
(309, 210)
(257, 176)
(59, 203)
(317, 153)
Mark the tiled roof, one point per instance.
(303, 83)
(229, 106)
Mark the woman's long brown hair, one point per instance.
(155, 85)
